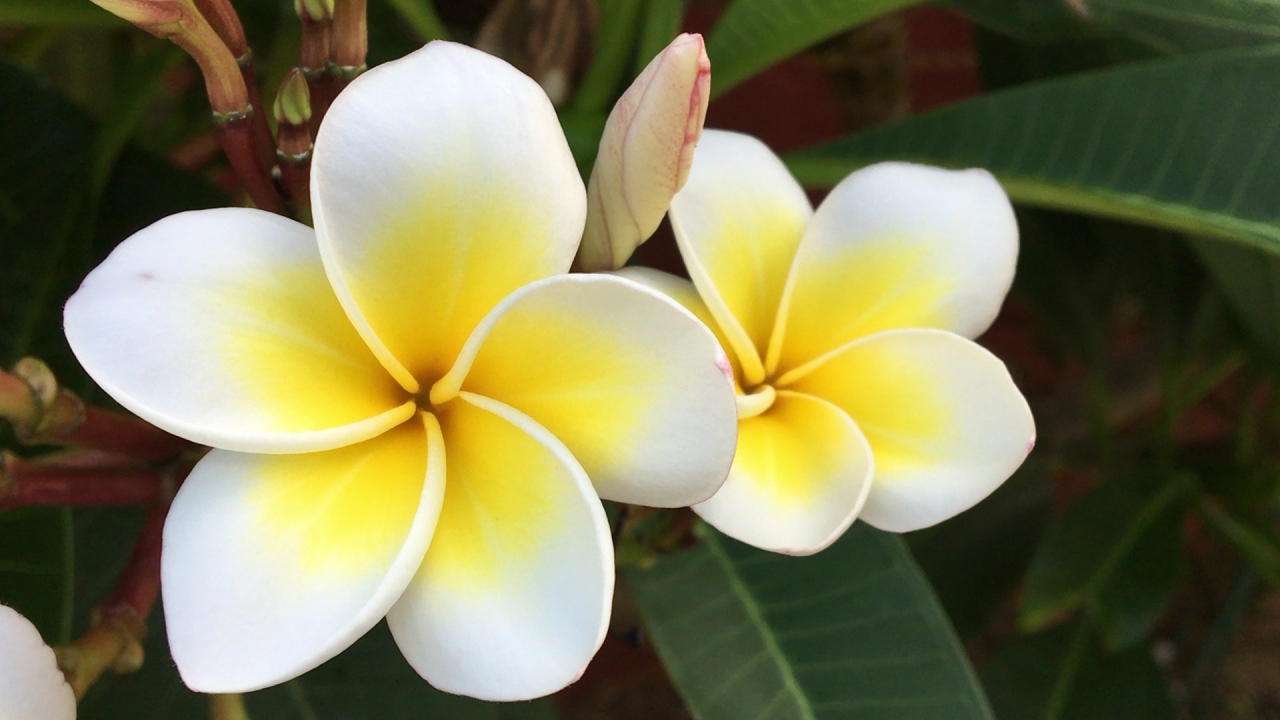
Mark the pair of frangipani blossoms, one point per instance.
(415, 410)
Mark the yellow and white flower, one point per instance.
(31, 685)
(860, 395)
(413, 407)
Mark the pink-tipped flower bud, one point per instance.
(645, 153)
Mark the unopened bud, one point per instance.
(293, 103)
(319, 11)
(645, 153)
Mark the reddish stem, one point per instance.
(262, 141)
(237, 137)
(105, 430)
(314, 61)
(26, 483)
(139, 584)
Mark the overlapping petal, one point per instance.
(897, 245)
(633, 384)
(441, 183)
(273, 564)
(31, 685)
(513, 598)
(945, 421)
(221, 327)
(738, 222)
(682, 291)
(801, 474)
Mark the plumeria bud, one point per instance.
(293, 103)
(314, 10)
(645, 153)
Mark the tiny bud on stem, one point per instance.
(293, 153)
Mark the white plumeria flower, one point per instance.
(861, 396)
(31, 685)
(410, 404)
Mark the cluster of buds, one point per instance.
(334, 44)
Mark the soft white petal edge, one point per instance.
(494, 647)
(141, 329)
(31, 685)
(990, 433)
(681, 449)
(227, 631)
(744, 513)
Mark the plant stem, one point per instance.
(26, 483)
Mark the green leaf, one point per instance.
(1250, 280)
(35, 568)
(56, 13)
(851, 632)
(1169, 26)
(1066, 675)
(1255, 542)
(619, 20)
(662, 22)
(1128, 602)
(754, 34)
(421, 16)
(1114, 551)
(1185, 144)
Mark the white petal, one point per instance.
(800, 477)
(682, 291)
(895, 246)
(273, 564)
(441, 182)
(514, 596)
(946, 423)
(220, 326)
(31, 685)
(738, 222)
(633, 384)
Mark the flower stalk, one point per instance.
(119, 626)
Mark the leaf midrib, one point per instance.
(756, 614)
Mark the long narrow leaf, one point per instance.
(1187, 144)
(754, 34)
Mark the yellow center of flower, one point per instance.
(756, 401)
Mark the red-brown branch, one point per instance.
(26, 483)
